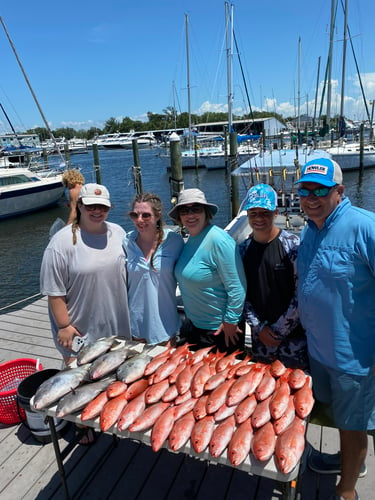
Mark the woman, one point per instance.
(83, 274)
(152, 252)
(269, 256)
(210, 275)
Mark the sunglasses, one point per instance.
(262, 215)
(319, 192)
(195, 209)
(92, 208)
(136, 215)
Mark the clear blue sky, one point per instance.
(89, 61)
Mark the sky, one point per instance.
(91, 61)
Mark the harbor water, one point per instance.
(23, 239)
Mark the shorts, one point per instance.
(200, 338)
(351, 397)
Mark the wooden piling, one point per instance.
(176, 179)
(137, 173)
(361, 147)
(96, 164)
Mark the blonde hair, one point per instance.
(72, 177)
(157, 207)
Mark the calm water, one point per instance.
(23, 239)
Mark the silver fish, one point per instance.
(108, 362)
(78, 399)
(58, 385)
(92, 351)
(133, 368)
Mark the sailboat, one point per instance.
(347, 155)
(204, 149)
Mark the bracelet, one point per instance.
(62, 327)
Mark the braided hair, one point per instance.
(157, 208)
(75, 224)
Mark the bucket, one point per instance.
(35, 420)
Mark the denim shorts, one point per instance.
(351, 397)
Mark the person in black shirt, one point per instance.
(269, 256)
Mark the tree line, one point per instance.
(169, 119)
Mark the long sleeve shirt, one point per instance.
(336, 289)
(211, 279)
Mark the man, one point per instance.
(336, 292)
(269, 255)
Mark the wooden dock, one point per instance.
(127, 468)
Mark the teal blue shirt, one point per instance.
(211, 279)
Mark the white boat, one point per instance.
(347, 155)
(23, 191)
(278, 159)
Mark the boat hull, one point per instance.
(22, 199)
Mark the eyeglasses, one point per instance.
(92, 208)
(194, 209)
(319, 192)
(262, 215)
(136, 215)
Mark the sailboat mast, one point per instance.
(188, 74)
(229, 50)
(330, 51)
(30, 87)
(341, 127)
(299, 91)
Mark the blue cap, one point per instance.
(261, 196)
(323, 171)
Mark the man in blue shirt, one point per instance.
(336, 291)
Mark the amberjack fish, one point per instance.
(108, 362)
(78, 399)
(89, 352)
(133, 368)
(58, 385)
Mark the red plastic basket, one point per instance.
(11, 374)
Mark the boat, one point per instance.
(348, 155)
(23, 191)
(276, 160)
(124, 140)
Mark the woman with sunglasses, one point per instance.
(83, 274)
(152, 252)
(269, 255)
(210, 276)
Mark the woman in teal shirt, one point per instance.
(210, 275)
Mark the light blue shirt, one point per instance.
(336, 289)
(152, 292)
(211, 279)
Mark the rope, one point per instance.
(20, 301)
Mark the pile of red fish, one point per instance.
(216, 401)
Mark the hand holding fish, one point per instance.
(268, 338)
(231, 333)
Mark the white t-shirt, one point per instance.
(92, 276)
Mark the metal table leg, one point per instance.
(56, 446)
